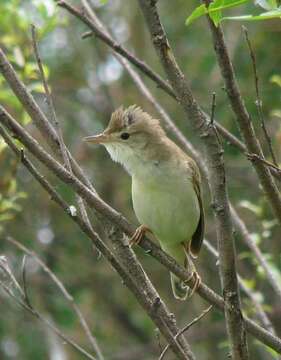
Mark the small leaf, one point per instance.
(276, 79)
(214, 10)
(214, 13)
(198, 12)
(264, 16)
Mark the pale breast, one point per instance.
(168, 205)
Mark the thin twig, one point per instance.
(141, 65)
(35, 313)
(258, 101)
(184, 329)
(36, 114)
(211, 123)
(61, 287)
(54, 120)
(259, 256)
(64, 154)
(213, 107)
(49, 99)
(260, 312)
(24, 282)
(255, 157)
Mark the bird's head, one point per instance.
(128, 134)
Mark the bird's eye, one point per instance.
(125, 136)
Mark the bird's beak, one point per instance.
(97, 139)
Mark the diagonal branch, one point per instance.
(260, 312)
(98, 31)
(258, 101)
(24, 303)
(187, 327)
(62, 150)
(146, 295)
(116, 218)
(65, 293)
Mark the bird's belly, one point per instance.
(171, 212)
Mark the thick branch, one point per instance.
(243, 119)
(234, 319)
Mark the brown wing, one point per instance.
(194, 245)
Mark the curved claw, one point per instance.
(138, 235)
(196, 284)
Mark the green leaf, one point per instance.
(276, 79)
(6, 217)
(264, 16)
(214, 10)
(198, 12)
(214, 13)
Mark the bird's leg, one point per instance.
(138, 235)
(189, 264)
(196, 284)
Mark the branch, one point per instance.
(28, 307)
(65, 293)
(62, 151)
(34, 111)
(270, 165)
(234, 317)
(116, 218)
(187, 327)
(104, 36)
(259, 256)
(258, 100)
(260, 312)
(146, 295)
(49, 99)
(141, 65)
(243, 118)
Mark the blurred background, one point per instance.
(87, 84)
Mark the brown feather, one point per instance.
(195, 244)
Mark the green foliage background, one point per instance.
(87, 85)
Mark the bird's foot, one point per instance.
(138, 235)
(196, 284)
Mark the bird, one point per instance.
(166, 187)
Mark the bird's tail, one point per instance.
(178, 252)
